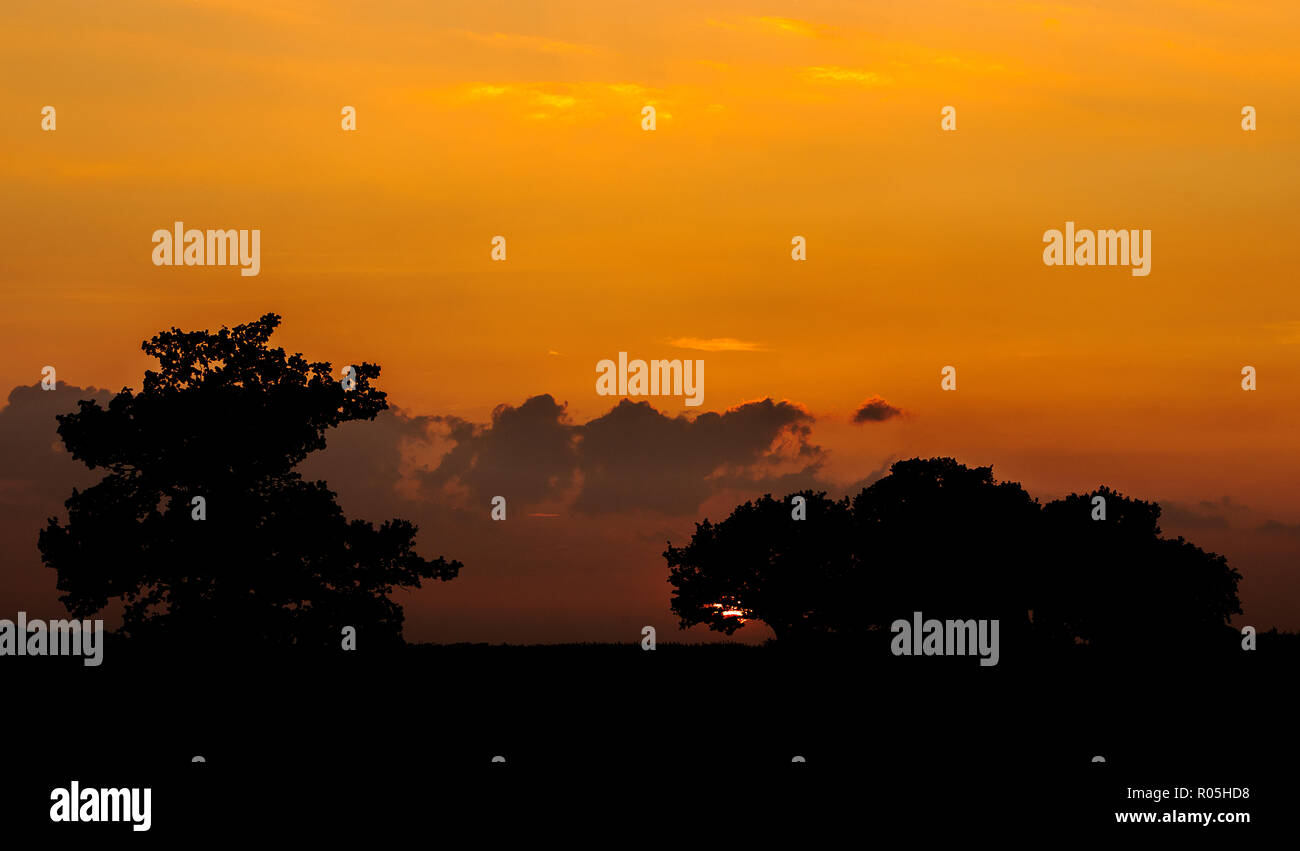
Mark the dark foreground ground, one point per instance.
(679, 740)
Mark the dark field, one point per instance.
(396, 741)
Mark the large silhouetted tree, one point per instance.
(789, 574)
(226, 418)
(1118, 585)
(950, 541)
(946, 540)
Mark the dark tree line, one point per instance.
(218, 430)
(950, 541)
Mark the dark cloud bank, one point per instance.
(562, 572)
(628, 459)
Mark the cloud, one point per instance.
(773, 24)
(631, 458)
(484, 90)
(871, 478)
(1181, 516)
(635, 457)
(834, 74)
(1273, 527)
(369, 463)
(633, 89)
(876, 410)
(552, 99)
(557, 101)
(1205, 515)
(792, 26)
(36, 475)
(715, 344)
(442, 471)
(34, 466)
(526, 453)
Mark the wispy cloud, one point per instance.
(716, 344)
(774, 24)
(485, 91)
(560, 101)
(543, 99)
(835, 74)
(1273, 527)
(795, 27)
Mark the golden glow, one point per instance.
(524, 119)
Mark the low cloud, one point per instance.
(635, 457)
(1205, 515)
(631, 458)
(526, 453)
(36, 475)
(35, 469)
(876, 410)
(1273, 527)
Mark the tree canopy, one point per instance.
(225, 419)
(950, 541)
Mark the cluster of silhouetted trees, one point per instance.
(950, 541)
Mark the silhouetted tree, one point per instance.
(947, 540)
(786, 573)
(950, 541)
(275, 562)
(1117, 585)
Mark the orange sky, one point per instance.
(812, 118)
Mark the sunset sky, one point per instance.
(819, 119)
